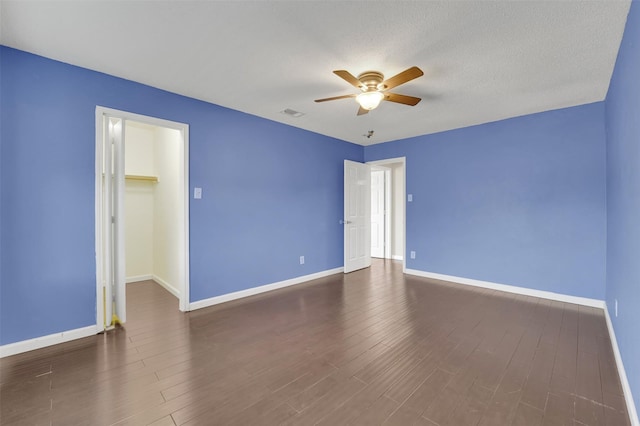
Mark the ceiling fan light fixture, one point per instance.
(369, 100)
(374, 88)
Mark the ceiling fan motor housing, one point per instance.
(371, 80)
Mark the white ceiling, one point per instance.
(483, 60)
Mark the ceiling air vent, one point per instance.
(292, 113)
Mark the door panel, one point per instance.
(106, 221)
(113, 222)
(357, 216)
(119, 270)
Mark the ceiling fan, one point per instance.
(374, 88)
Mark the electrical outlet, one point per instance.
(616, 308)
(197, 193)
(412, 254)
(302, 260)
(410, 198)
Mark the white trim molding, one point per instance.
(137, 278)
(626, 388)
(262, 289)
(44, 341)
(594, 303)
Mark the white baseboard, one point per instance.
(262, 289)
(396, 257)
(631, 406)
(595, 303)
(171, 289)
(44, 341)
(137, 278)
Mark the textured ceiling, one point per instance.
(483, 60)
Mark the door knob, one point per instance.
(344, 222)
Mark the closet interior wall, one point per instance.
(153, 245)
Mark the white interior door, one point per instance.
(357, 216)
(113, 236)
(378, 213)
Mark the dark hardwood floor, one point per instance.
(371, 347)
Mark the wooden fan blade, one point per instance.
(403, 77)
(349, 78)
(362, 111)
(401, 99)
(335, 98)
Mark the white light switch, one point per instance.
(197, 193)
(410, 197)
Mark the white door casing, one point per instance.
(399, 188)
(378, 213)
(357, 216)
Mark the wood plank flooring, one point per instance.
(371, 347)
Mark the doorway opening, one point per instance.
(388, 209)
(142, 209)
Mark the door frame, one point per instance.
(183, 128)
(387, 163)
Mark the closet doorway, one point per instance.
(142, 209)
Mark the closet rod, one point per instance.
(140, 177)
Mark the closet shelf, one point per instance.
(140, 177)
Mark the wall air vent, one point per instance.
(292, 113)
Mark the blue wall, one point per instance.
(518, 202)
(271, 193)
(623, 199)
